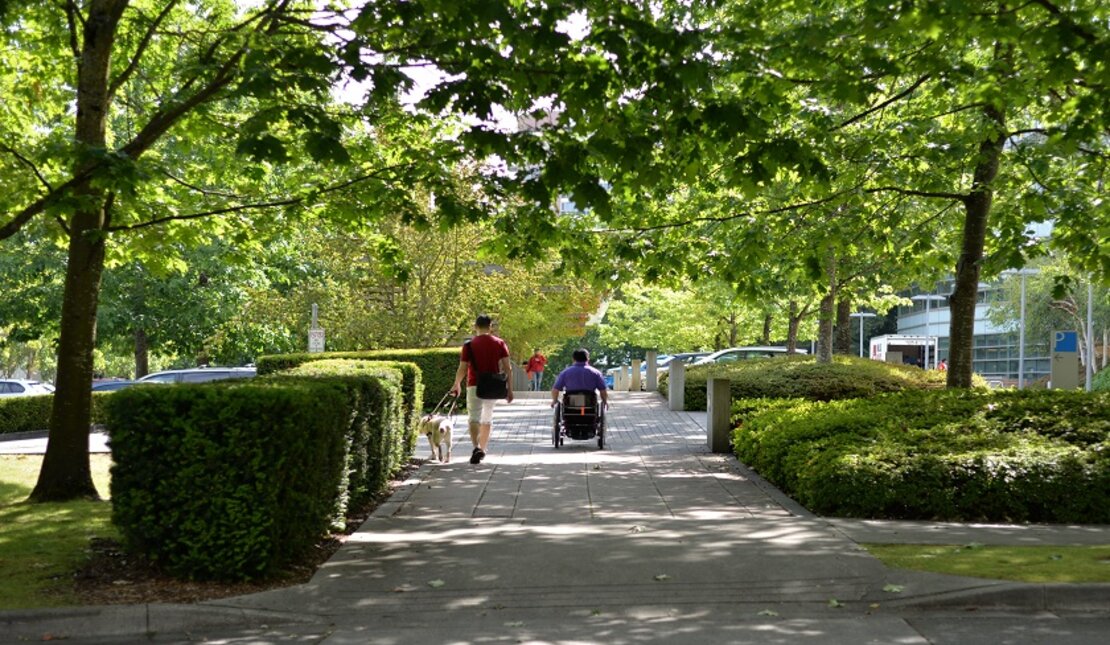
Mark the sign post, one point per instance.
(1065, 360)
(315, 335)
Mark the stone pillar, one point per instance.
(624, 378)
(718, 401)
(676, 384)
(652, 372)
(636, 375)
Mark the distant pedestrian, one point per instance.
(536, 365)
(482, 356)
(942, 366)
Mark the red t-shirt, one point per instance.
(487, 351)
(536, 363)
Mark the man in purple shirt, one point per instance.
(580, 376)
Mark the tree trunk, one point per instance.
(827, 313)
(792, 328)
(843, 341)
(766, 338)
(65, 470)
(977, 206)
(142, 354)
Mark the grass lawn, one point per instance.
(1019, 563)
(42, 544)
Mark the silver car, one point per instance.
(199, 375)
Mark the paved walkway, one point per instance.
(652, 540)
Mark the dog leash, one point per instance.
(439, 406)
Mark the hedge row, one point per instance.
(437, 366)
(31, 413)
(1032, 456)
(379, 429)
(237, 479)
(847, 377)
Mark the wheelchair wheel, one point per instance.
(556, 435)
(601, 435)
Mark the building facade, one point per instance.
(996, 350)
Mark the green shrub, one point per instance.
(377, 429)
(1101, 381)
(971, 455)
(437, 366)
(31, 413)
(231, 480)
(801, 377)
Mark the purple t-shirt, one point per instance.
(580, 376)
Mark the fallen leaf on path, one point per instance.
(768, 612)
(637, 529)
(515, 623)
(833, 602)
(436, 583)
(893, 588)
(662, 576)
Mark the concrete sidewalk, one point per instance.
(652, 540)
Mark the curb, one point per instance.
(1084, 598)
(19, 626)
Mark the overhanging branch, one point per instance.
(27, 162)
(140, 50)
(275, 203)
(875, 108)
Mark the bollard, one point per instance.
(624, 378)
(636, 375)
(718, 401)
(652, 372)
(676, 384)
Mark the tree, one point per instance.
(115, 139)
(1055, 300)
(980, 117)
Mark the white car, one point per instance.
(733, 354)
(22, 387)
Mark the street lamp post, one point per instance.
(861, 315)
(928, 298)
(1021, 324)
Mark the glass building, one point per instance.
(995, 350)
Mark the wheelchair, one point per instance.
(579, 415)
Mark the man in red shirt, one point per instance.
(482, 353)
(535, 370)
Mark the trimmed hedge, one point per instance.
(377, 431)
(227, 480)
(31, 413)
(437, 366)
(847, 377)
(413, 388)
(968, 455)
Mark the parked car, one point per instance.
(733, 354)
(111, 386)
(199, 375)
(689, 357)
(23, 387)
